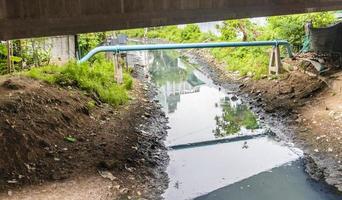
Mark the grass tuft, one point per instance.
(98, 78)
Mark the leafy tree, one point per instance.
(34, 52)
(291, 27)
(3, 55)
(233, 30)
(89, 41)
(3, 59)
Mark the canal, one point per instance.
(245, 163)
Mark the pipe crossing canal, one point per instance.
(248, 168)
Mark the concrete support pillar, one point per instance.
(275, 61)
(62, 49)
(118, 71)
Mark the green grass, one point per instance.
(97, 78)
(252, 60)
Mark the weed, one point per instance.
(91, 105)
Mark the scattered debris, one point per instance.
(245, 145)
(70, 139)
(107, 175)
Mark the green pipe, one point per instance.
(126, 48)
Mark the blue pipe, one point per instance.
(126, 48)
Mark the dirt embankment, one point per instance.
(310, 106)
(320, 129)
(65, 138)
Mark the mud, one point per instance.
(50, 134)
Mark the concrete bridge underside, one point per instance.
(33, 18)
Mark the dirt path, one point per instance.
(55, 141)
(321, 119)
(92, 187)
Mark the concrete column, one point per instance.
(62, 49)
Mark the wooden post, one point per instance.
(118, 76)
(120, 71)
(125, 61)
(9, 55)
(12, 61)
(275, 61)
(109, 56)
(116, 61)
(20, 54)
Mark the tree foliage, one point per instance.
(191, 33)
(3, 55)
(243, 29)
(89, 41)
(291, 27)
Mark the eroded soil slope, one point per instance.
(48, 133)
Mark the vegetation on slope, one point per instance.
(98, 79)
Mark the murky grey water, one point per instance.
(255, 168)
(286, 182)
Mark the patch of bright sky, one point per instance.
(211, 26)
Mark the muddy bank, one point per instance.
(286, 105)
(50, 134)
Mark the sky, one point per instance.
(261, 21)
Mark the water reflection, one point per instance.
(281, 183)
(233, 119)
(199, 111)
(197, 108)
(174, 77)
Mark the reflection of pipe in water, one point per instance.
(217, 141)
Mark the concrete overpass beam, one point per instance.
(31, 18)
